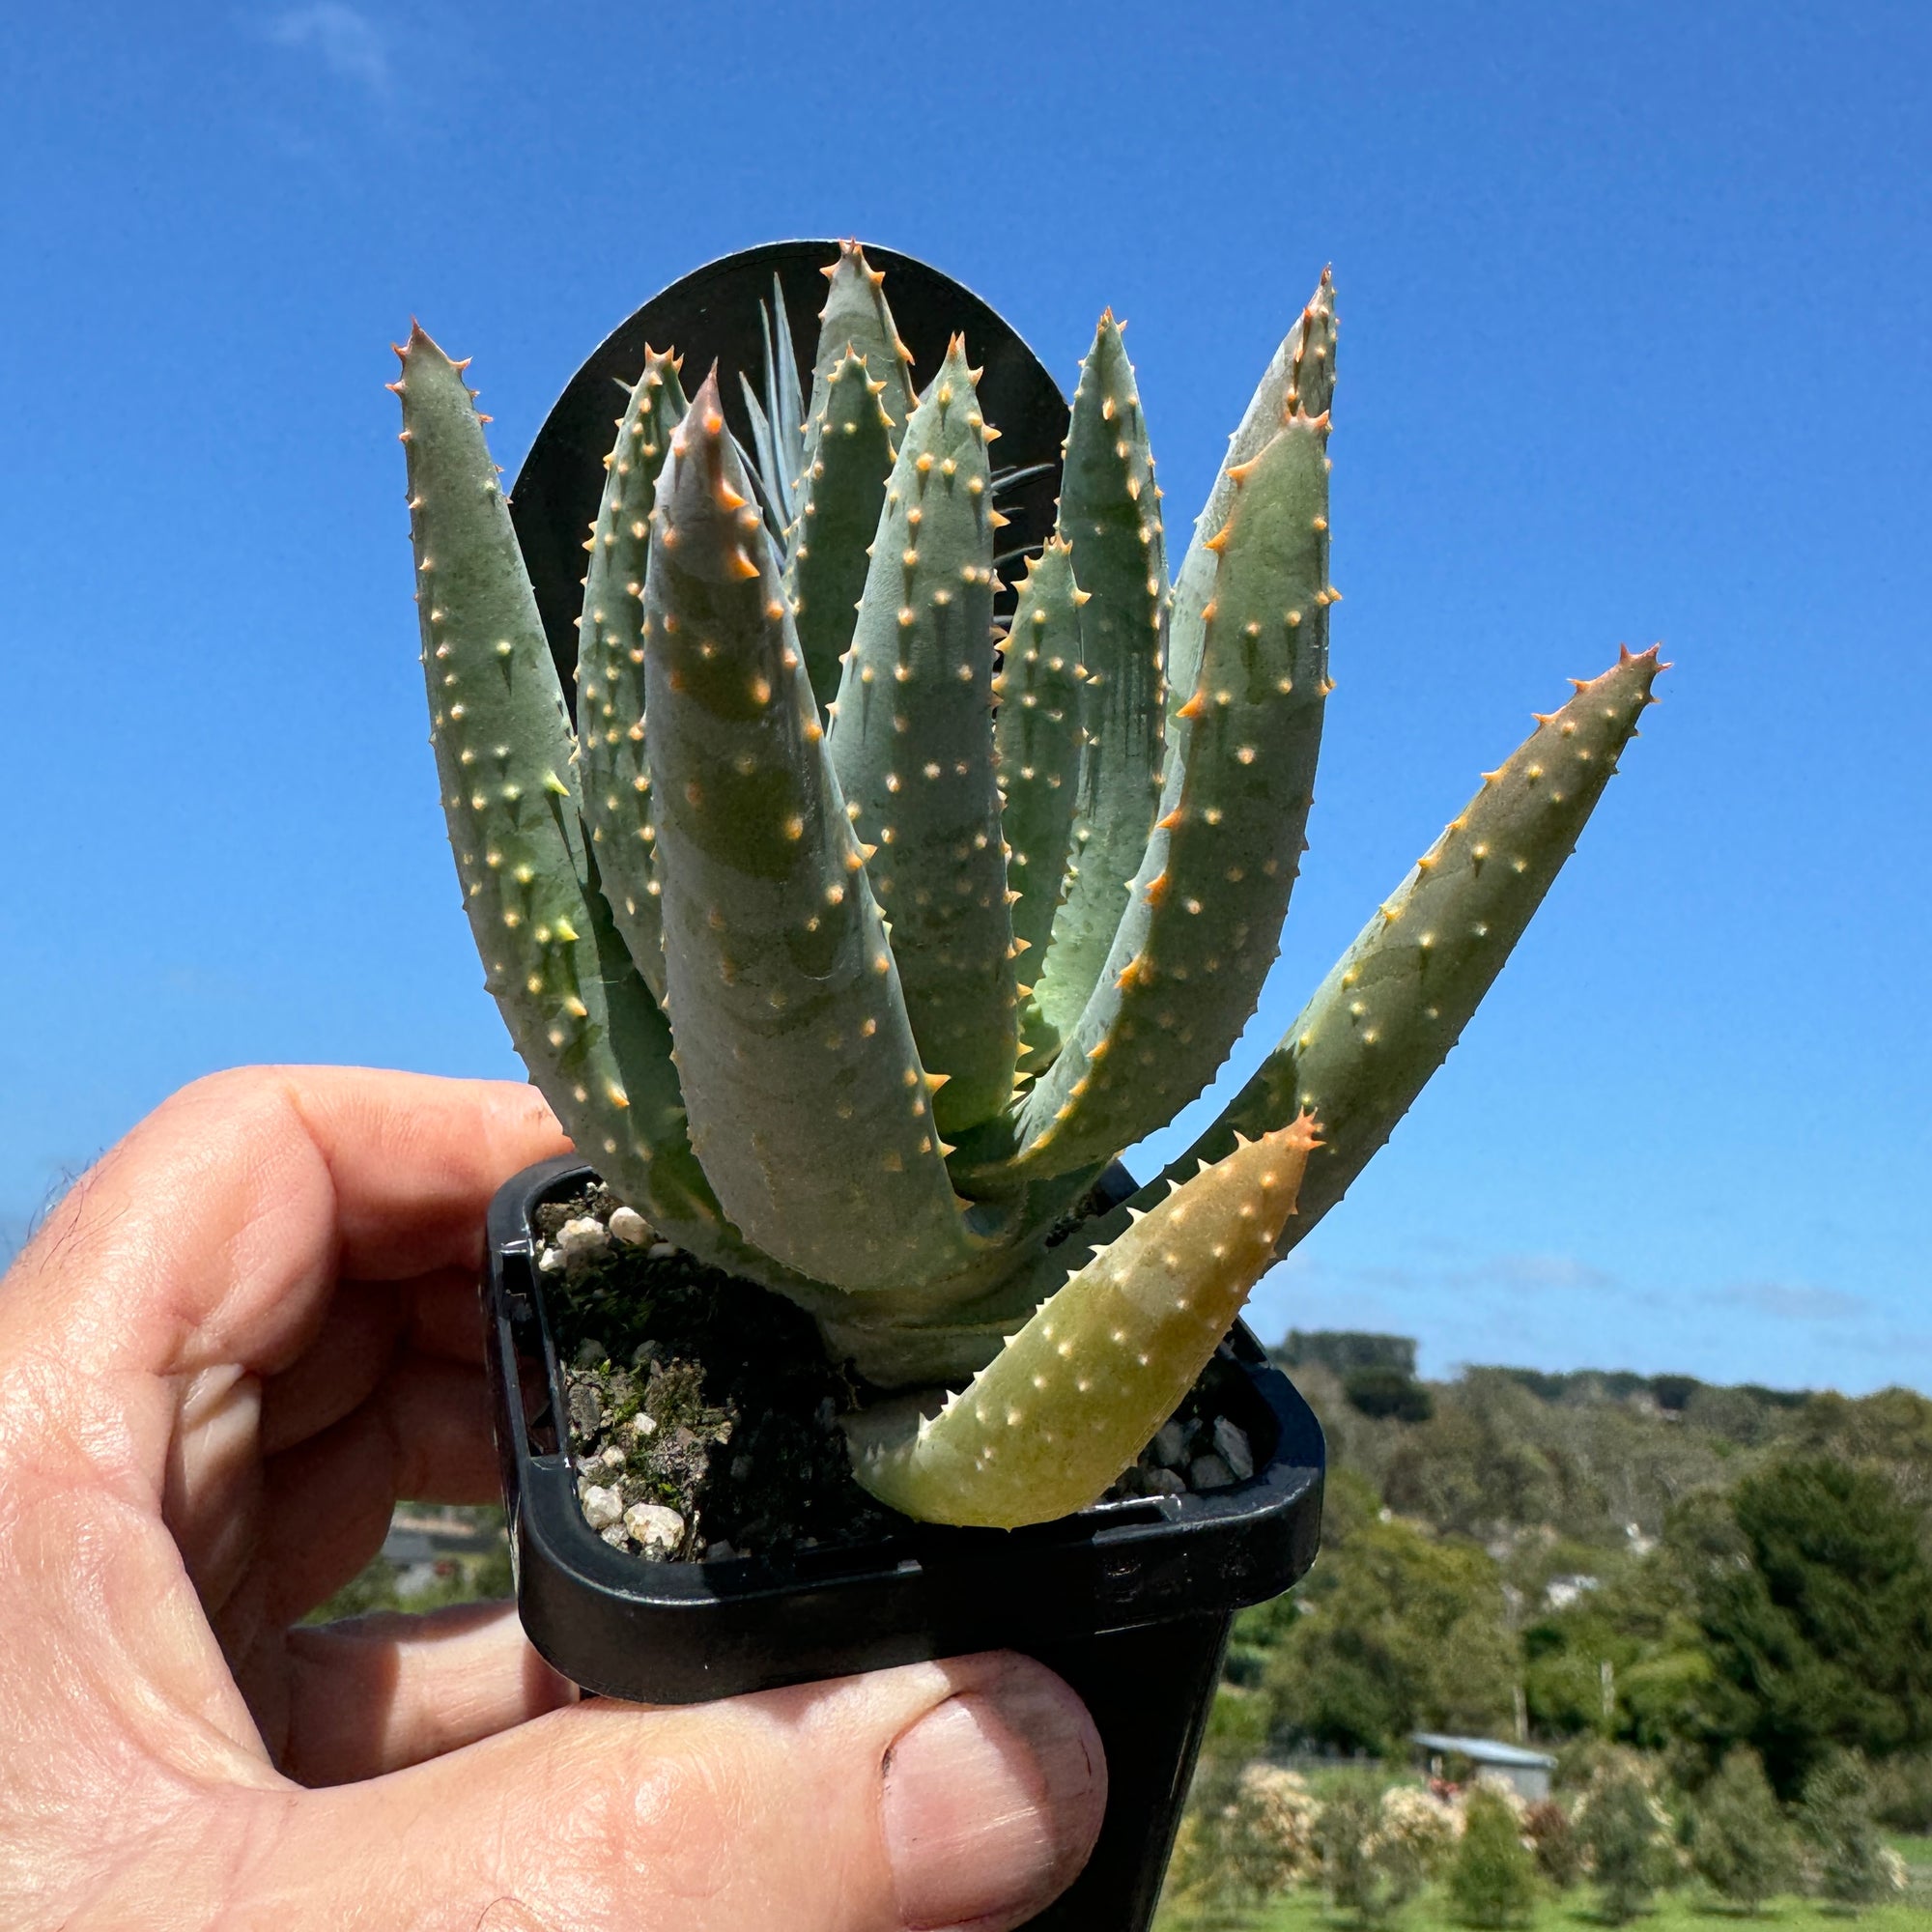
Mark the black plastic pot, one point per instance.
(714, 313)
(1130, 1602)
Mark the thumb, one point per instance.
(964, 1794)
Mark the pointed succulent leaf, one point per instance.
(1300, 378)
(900, 1352)
(1203, 923)
(787, 394)
(841, 494)
(776, 413)
(808, 1107)
(584, 1022)
(1037, 738)
(1110, 514)
(763, 465)
(912, 743)
(856, 320)
(1387, 1014)
(1073, 1397)
(609, 665)
(945, 1330)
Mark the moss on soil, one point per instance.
(742, 1407)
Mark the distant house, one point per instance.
(1560, 1592)
(414, 1556)
(1464, 1760)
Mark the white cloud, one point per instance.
(1795, 1301)
(1508, 1274)
(347, 41)
(1531, 1273)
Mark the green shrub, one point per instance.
(1249, 1834)
(1902, 1794)
(1386, 1391)
(1627, 1838)
(1398, 1630)
(1493, 1880)
(1741, 1842)
(1553, 1840)
(1424, 1824)
(1854, 1867)
(1821, 1637)
(1366, 1870)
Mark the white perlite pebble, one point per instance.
(614, 1536)
(1209, 1472)
(614, 1457)
(582, 1241)
(1170, 1443)
(659, 1529)
(551, 1260)
(660, 1251)
(602, 1507)
(643, 1425)
(630, 1227)
(1232, 1443)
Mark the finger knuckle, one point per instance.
(665, 1811)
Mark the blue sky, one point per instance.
(1633, 304)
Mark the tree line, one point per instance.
(1685, 1569)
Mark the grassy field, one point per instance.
(1305, 1910)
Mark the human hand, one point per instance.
(238, 1340)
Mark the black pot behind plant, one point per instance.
(713, 312)
(1131, 1602)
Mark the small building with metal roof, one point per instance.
(1526, 1772)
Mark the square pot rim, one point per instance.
(674, 1632)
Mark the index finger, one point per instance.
(216, 1229)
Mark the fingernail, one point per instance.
(992, 1802)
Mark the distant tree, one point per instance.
(1248, 1834)
(1741, 1841)
(1837, 1813)
(1889, 1431)
(1237, 1732)
(1477, 1466)
(1345, 1350)
(1818, 1623)
(1626, 1834)
(1425, 1825)
(1628, 1660)
(1672, 1393)
(1351, 1815)
(1397, 1631)
(1497, 1458)
(1738, 1415)
(1388, 1392)
(1348, 1503)
(1492, 1878)
(1783, 1398)
(1662, 1695)
(1902, 1789)
(1553, 1841)
(1367, 1869)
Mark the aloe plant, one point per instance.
(851, 935)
